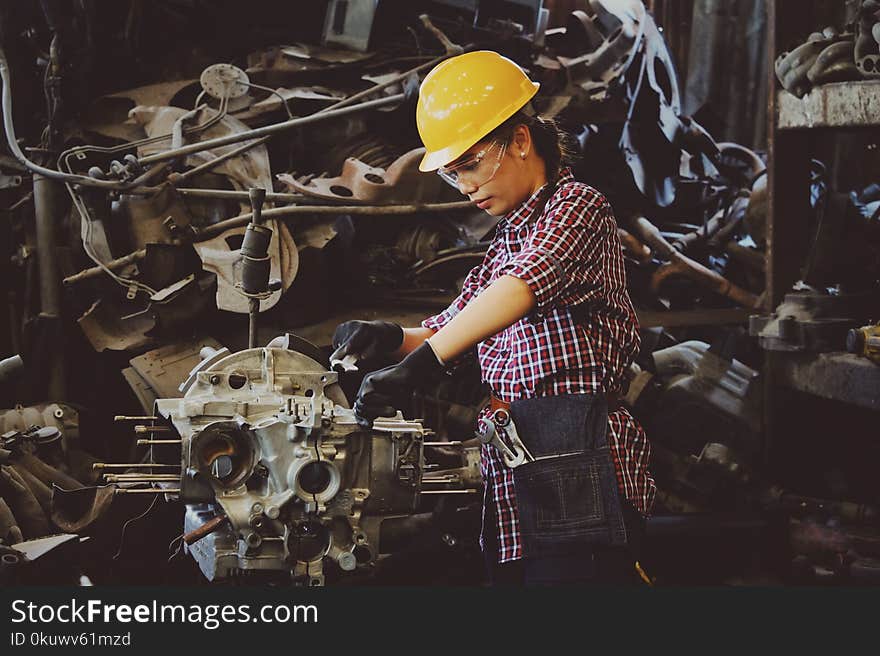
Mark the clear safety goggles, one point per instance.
(477, 169)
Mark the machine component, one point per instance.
(277, 476)
(808, 320)
(865, 341)
(697, 393)
(826, 56)
(224, 81)
(867, 44)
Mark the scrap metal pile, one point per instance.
(126, 216)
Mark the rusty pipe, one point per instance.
(205, 529)
(680, 264)
(634, 248)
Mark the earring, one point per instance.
(522, 154)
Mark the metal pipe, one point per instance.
(152, 429)
(177, 178)
(144, 442)
(10, 367)
(45, 215)
(272, 197)
(371, 210)
(130, 465)
(94, 272)
(134, 418)
(45, 221)
(151, 490)
(205, 529)
(467, 491)
(269, 129)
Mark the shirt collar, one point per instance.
(517, 217)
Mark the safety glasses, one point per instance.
(477, 169)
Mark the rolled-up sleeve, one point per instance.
(562, 249)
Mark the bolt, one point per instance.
(215, 379)
(272, 512)
(257, 508)
(346, 561)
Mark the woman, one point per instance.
(554, 328)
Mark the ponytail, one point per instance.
(554, 145)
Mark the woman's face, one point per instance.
(499, 176)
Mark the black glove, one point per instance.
(366, 339)
(383, 391)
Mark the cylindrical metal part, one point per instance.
(205, 529)
(143, 442)
(151, 429)
(133, 418)
(45, 218)
(11, 367)
(256, 240)
(253, 311)
(130, 465)
(255, 274)
(149, 490)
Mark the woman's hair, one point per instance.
(554, 145)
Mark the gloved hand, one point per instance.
(366, 339)
(382, 391)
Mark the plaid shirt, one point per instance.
(579, 339)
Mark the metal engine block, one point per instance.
(276, 474)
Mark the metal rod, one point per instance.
(152, 490)
(130, 465)
(152, 429)
(442, 443)
(272, 197)
(118, 478)
(143, 442)
(253, 311)
(177, 178)
(467, 491)
(372, 210)
(269, 129)
(94, 272)
(134, 418)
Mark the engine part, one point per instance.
(824, 57)
(267, 441)
(809, 320)
(702, 394)
(599, 45)
(867, 44)
(401, 182)
(10, 368)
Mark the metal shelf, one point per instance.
(837, 105)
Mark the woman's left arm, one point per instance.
(504, 302)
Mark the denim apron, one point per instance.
(568, 500)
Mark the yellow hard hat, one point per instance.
(463, 99)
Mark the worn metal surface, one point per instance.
(838, 376)
(844, 104)
(157, 373)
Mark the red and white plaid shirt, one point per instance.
(580, 338)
